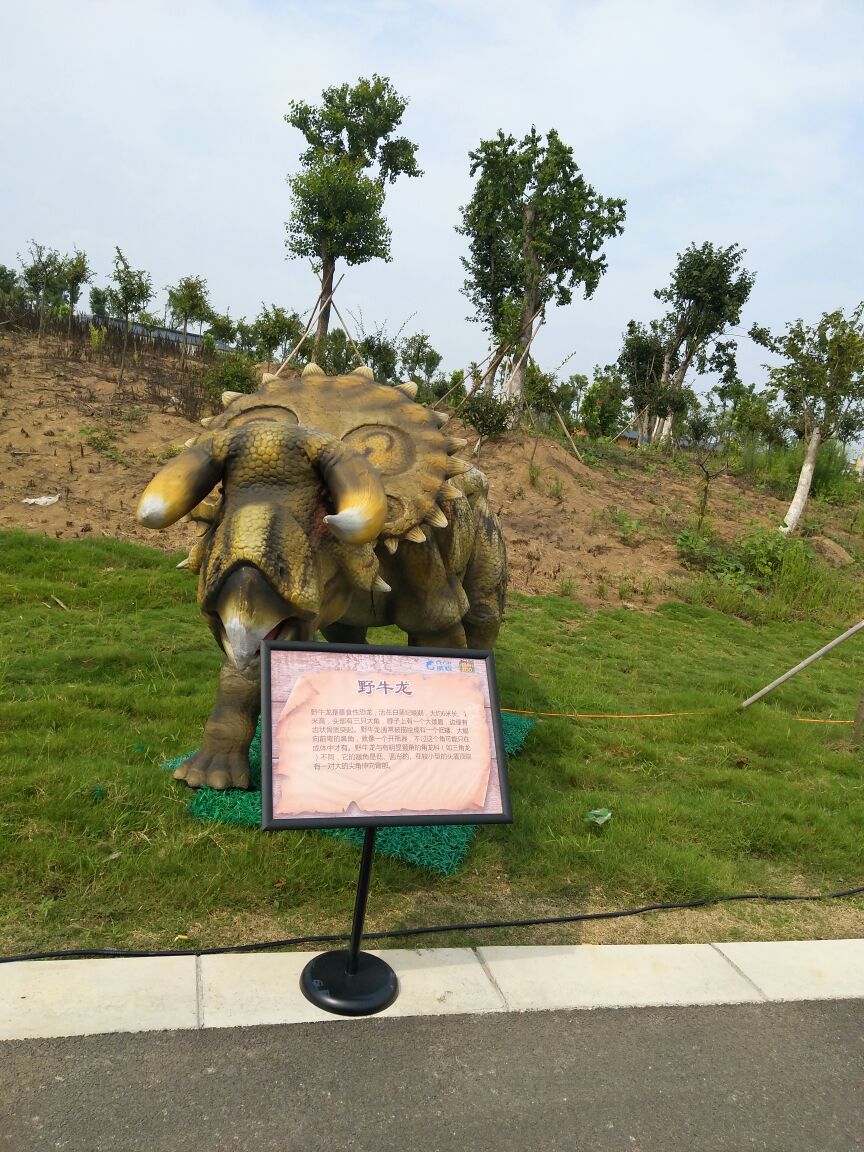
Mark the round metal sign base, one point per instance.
(327, 982)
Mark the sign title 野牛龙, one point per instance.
(369, 687)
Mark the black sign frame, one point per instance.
(270, 822)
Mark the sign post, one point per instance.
(370, 736)
(350, 982)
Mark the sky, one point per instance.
(159, 127)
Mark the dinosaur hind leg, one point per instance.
(485, 579)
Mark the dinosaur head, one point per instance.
(292, 501)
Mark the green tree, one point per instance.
(274, 328)
(74, 273)
(546, 394)
(11, 290)
(536, 230)
(709, 449)
(604, 402)
(246, 336)
(748, 413)
(338, 195)
(640, 363)
(149, 321)
(41, 274)
(99, 304)
(381, 354)
(222, 328)
(441, 385)
(706, 293)
(188, 303)
(130, 292)
(339, 356)
(418, 360)
(822, 381)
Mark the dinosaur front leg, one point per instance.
(222, 761)
(452, 637)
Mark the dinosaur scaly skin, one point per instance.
(341, 507)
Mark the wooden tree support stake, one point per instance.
(804, 664)
(569, 437)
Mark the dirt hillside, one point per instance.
(599, 533)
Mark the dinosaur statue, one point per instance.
(338, 505)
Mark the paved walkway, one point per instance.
(781, 1077)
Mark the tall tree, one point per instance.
(418, 360)
(748, 413)
(11, 289)
(640, 363)
(822, 381)
(99, 304)
(188, 303)
(274, 328)
(222, 328)
(41, 273)
(75, 272)
(338, 195)
(535, 229)
(130, 292)
(706, 293)
(604, 403)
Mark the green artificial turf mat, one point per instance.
(438, 847)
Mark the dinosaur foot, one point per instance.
(215, 768)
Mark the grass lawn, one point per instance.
(97, 849)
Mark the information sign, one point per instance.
(368, 735)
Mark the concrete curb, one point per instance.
(89, 997)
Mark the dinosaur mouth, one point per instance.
(286, 630)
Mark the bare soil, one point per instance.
(600, 533)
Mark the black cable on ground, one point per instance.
(433, 929)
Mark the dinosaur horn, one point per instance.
(356, 488)
(179, 486)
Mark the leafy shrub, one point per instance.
(490, 416)
(97, 337)
(768, 577)
(762, 554)
(777, 467)
(628, 526)
(233, 372)
(698, 552)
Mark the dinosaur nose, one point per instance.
(249, 611)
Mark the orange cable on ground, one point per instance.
(809, 720)
(607, 715)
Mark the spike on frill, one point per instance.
(455, 466)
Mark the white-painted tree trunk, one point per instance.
(805, 479)
(663, 430)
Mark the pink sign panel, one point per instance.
(372, 735)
